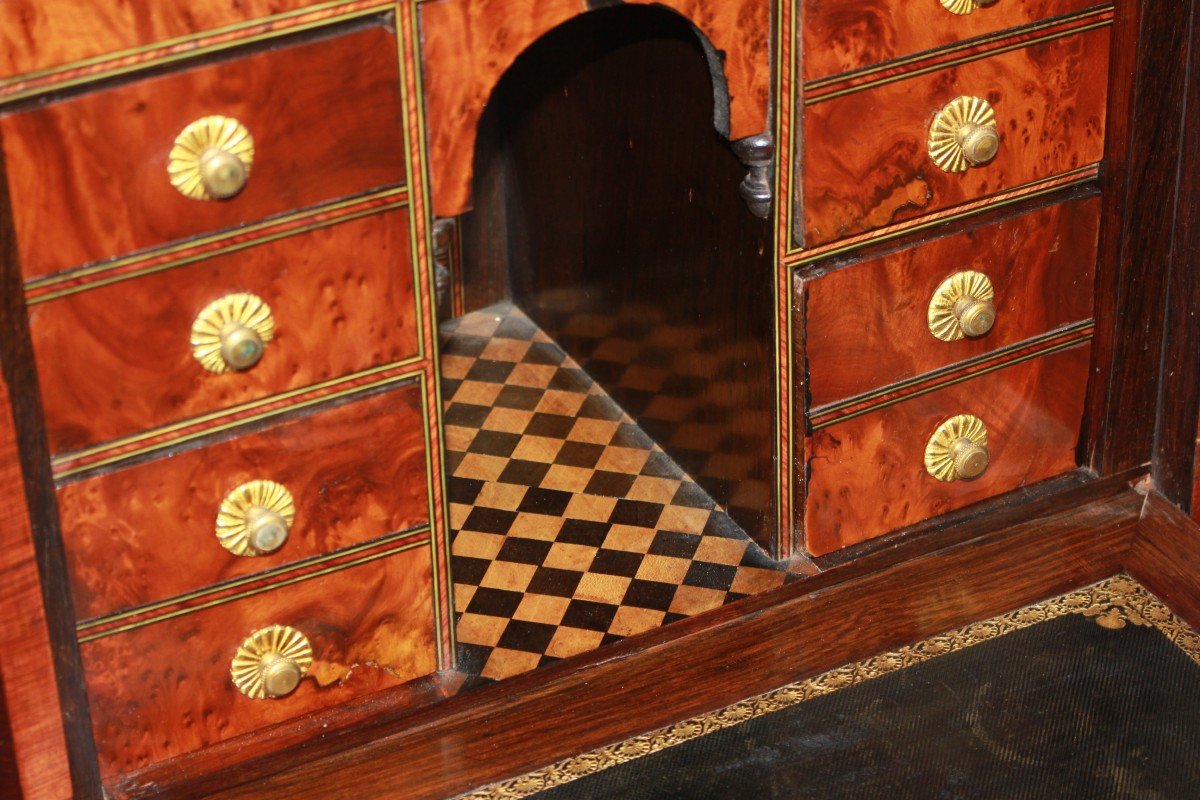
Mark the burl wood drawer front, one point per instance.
(867, 475)
(867, 162)
(89, 174)
(354, 472)
(867, 325)
(165, 689)
(845, 35)
(43, 34)
(118, 359)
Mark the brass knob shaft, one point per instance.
(223, 173)
(271, 662)
(963, 305)
(231, 333)
(241, 345)
(964, 7)
(958, 449)
(964, 134)
(255, 519)
(211, 159)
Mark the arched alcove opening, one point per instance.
(606, 207)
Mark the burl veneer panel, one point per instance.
(89, 174)
(866, 475)
(42, 34)
(867, 324)
(866, 160)
(164, 689)
(845, 35)
(146, 533)
(117, 359)
(468, 45)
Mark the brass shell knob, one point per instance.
(256, 518)
(958, 449)
(231, 334)
(964, 7)
(964, 134)
(271, 662)
(963, 305)
(211, 159)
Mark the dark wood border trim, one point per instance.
(1145, 133)
(17, 366)
(1179, 397)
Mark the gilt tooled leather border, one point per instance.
(1113, 603)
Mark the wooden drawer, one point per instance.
(118, 359)
(88, 175)
(867, 325)
(867, 161)
(355, 472)
(845, 35)
(866, 475)
(164, 689)
(44, 34)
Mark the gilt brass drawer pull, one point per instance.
(255, 518)
(271, 662)
(962, 306)
(964, 7)
(211, 159)
(964, 135)
(232, 332)
(958, 449)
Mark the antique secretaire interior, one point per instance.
(588, 398)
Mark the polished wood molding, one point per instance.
(1165, 557)
(40, 667)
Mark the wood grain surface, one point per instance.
(89, 174)
(145, 533)
(117, 359)
(468, 45)
(866, 476)
(844, 35)
(923, 587)
(866, 162)
(162, 690)
(34, 741)
(866, 324)
(1165, 556)
(39, 35)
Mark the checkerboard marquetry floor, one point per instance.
(572, 528)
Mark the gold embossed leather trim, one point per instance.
(1112, 603)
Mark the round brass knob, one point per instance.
(271, 662)
(232, 332)
(970, 459)
(964, 7)
(964, 134)
(979, 143)
(211, 159)
(255, 519)
(280, 675)
(958, 449)
(223, 173)
(241, 346)
(963, 305)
